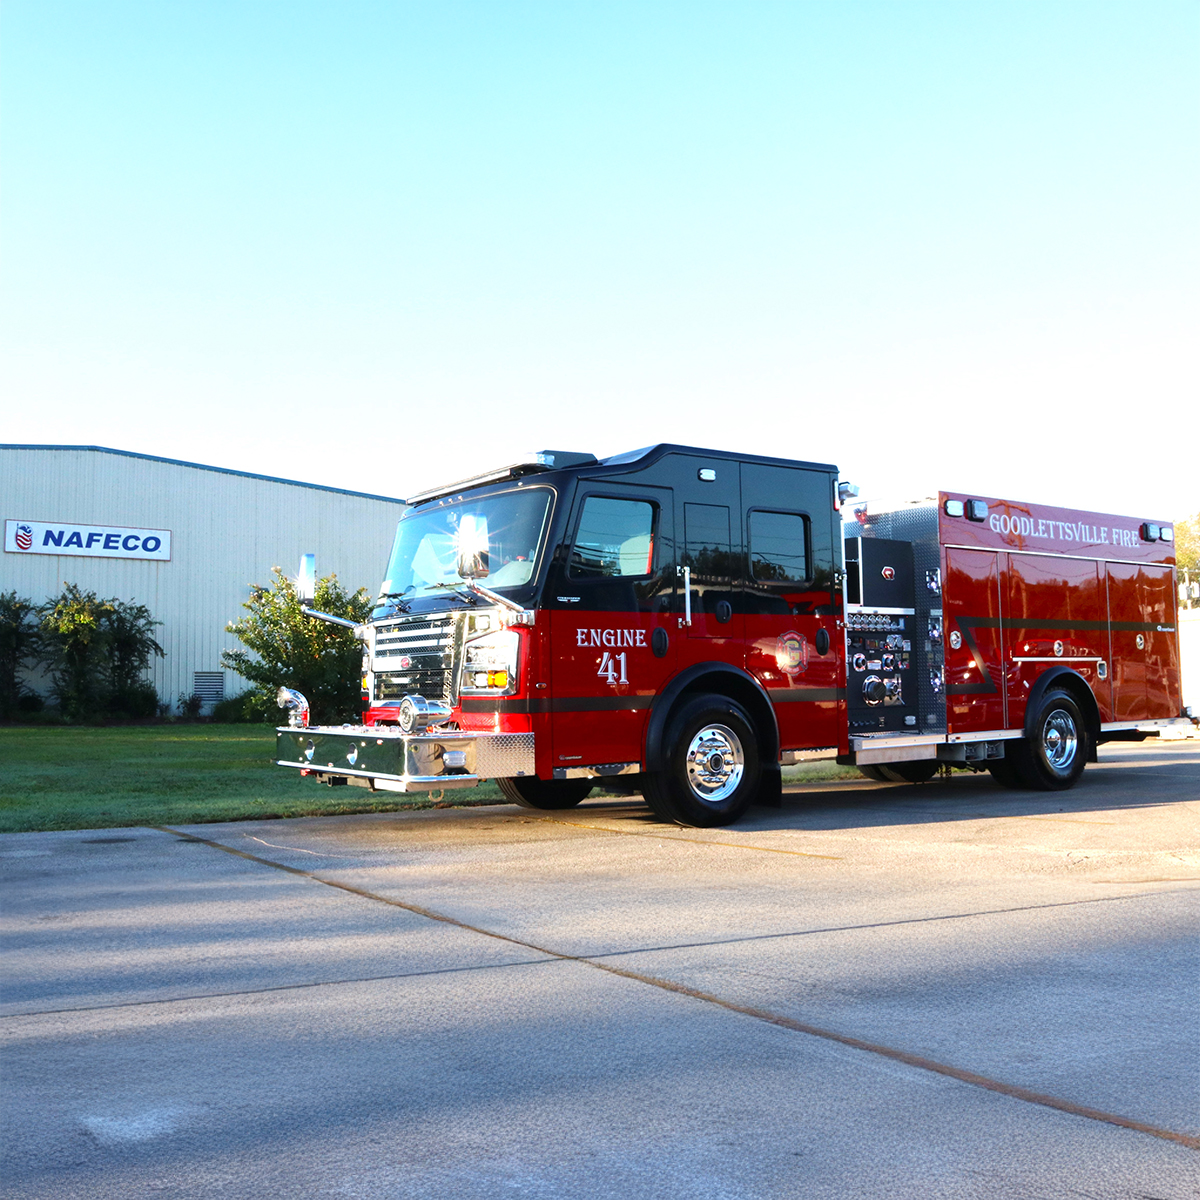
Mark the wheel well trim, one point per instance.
(692, 680)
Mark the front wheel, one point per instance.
(1053, 757)
(713, 769)
(531, 792)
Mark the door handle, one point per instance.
(686, 619)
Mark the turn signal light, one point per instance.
(491, 679)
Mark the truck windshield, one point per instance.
(424, 557)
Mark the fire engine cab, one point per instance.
(681, 623)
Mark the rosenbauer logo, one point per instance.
(24, 537)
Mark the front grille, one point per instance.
(418, 657)
(433, 685)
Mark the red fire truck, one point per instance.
(681, 623)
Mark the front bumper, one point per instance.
(390, 761)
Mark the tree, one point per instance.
(18, 648)
(286, 648)
(1187, 543)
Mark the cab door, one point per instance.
(610, 600)
(792, 600)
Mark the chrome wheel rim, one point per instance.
(715, 762)
(1060, 740)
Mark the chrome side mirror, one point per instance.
(306, 580)
(472, 547)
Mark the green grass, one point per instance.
(80, 778)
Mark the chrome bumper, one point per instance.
(390, 761)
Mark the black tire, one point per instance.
(713, 769)
(921, 771)
(1004, 773)
(875, 773)
(531, 792)
(1053, 758)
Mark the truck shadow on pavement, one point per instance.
(1151, 779)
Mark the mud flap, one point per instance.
(770, 788)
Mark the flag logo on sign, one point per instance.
(24, 537)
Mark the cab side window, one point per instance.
(615, 538)
(778, 547)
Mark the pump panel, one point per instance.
(880, 631)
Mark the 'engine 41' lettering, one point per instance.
(612, 668)
(612, 638)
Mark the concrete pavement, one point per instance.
(879, 990)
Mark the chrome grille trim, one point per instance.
(433, 648)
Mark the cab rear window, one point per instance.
(778, 547)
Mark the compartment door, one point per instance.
(1054, 613)
(974, 677)
(1145, 645)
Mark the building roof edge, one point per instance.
(179, 462)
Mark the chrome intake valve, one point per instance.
(297, 705)
(416, 713)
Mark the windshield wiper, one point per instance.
(397, 599)
(458, 589)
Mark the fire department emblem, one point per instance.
(888, 572)
(791, 653)
(24, 537)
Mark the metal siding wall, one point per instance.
(227, 532)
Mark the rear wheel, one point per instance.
(531, 792)
(905, 772)
(875, 773)
(1054, 756)
(713, 769)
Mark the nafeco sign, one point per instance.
(88, 541)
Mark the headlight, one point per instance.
(490, 663)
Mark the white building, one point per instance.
(188, 541)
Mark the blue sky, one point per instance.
(384, 245)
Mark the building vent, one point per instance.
(209, 685)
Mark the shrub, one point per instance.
(74, 645)
(97, 652)
(190, 706)
(251, 706)
(18, 649)
(131, 646)
(138, 700)
(284, 647)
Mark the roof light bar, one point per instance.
(540, 460)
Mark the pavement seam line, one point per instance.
(279, 987)
(796, 933)
(1013, 1091)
